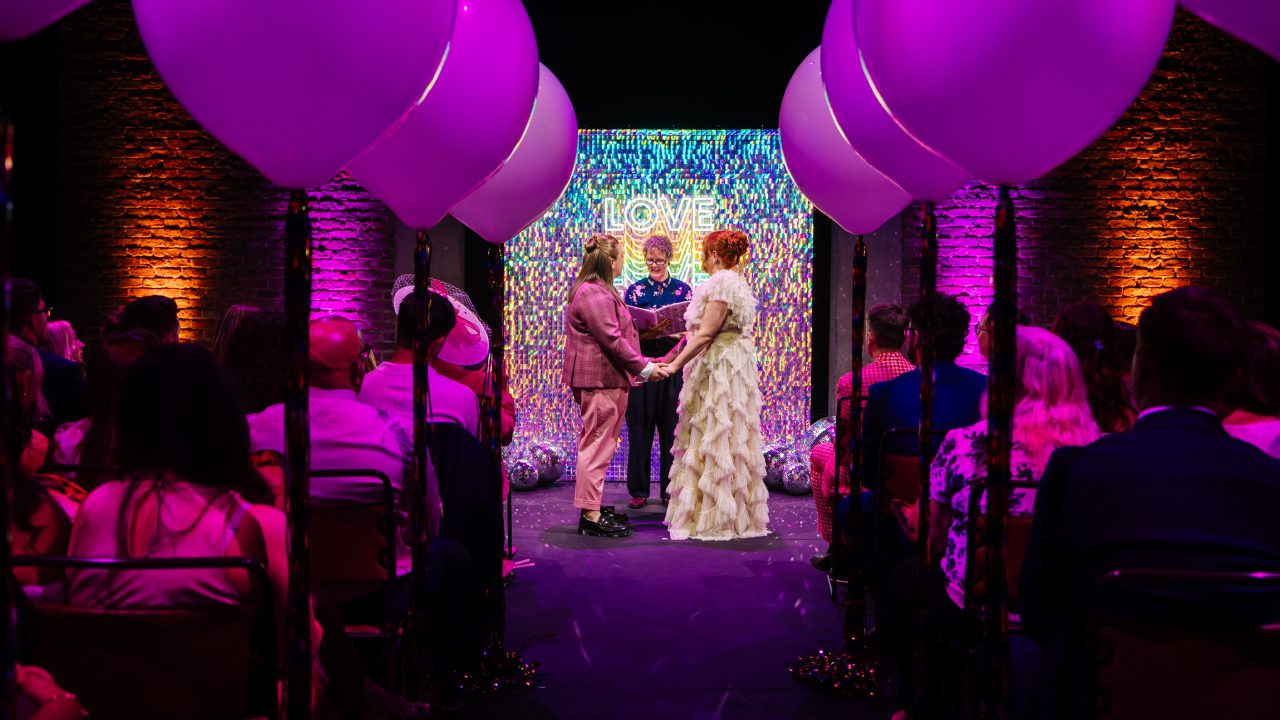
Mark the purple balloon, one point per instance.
(1009, 89)
(535, 176)
(1257, 22)
(297, 87)
(829, 173)
(469, 124)
(20, 18)
(868, 126)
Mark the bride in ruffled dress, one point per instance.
(717, 480)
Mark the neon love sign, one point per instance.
(640, 215)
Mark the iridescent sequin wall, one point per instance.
(681, 183)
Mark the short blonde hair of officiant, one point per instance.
(661, 244)
(598, 254)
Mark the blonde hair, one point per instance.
(598, 255)
(61, 338)
(1051, 402)
(730, 245)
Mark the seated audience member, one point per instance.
(63, 379)
(886, 333)
(345, 433)
(982, 330)
(227, 327)
(189, 490)
(1091, 333)
(91, 441)
(61, 340)
(1120, 354)
(957, 391)
(1176, 492)
(390, 386)
(255, 360)
(27, 373)
(1051, 411)
(1255, 398)
(156, 314)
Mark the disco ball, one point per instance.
(522, 474)
(547, 460)
(796, 477)
(821, 431)
(775, 457)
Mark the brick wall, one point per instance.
(1172, 195)
(150, 203)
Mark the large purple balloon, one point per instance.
(469, 124)
(20, 18)
(1009, 89)
(536, 174)
(867, 125)
(834, 178)
(297, 87)
(1257, 22)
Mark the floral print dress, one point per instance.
(961, 462)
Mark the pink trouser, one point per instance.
(603, 410)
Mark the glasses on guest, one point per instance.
(656, 261)
(47, 311)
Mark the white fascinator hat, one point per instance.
(468, 342)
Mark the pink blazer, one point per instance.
(601, 343)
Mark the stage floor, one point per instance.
(644, 627)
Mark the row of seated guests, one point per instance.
(1147, 477)
(100, 440)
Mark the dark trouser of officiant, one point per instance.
(652, 407)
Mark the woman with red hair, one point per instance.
(717, 483)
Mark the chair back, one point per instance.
(900, 478)
(1018, 538)
(1214, 664)
(213, 661)
(353, 545)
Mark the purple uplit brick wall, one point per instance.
(151, 204)
(1173, 195)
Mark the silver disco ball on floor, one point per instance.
(775, 459)
(796, 477)
(821, 431)
(548, 459)
(522, 474)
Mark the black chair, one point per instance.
(208, 661)
(1172, 659)
(353, 556)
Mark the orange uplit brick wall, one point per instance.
(1172, 195)
(154, 205)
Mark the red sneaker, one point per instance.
(636, 503)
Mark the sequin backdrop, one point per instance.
(741, 171)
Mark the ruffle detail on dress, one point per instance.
(717, 479)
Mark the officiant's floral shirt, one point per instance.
(647, 293)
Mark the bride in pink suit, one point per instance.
(601, 359)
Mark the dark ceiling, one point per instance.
(668, 64)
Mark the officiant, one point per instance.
(652, 406)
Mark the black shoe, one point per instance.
(606, 526)
(822, 562)
(612, 513)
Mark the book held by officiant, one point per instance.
(646, 318)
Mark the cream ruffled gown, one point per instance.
(717, 480)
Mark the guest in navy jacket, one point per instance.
(957, 391)
(1175, 492)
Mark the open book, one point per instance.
(646, 318)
